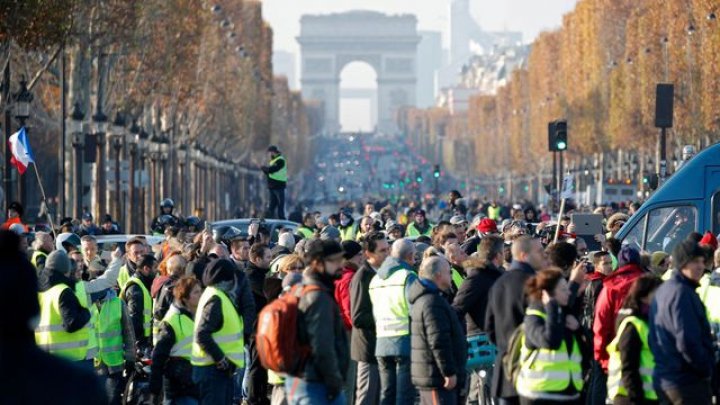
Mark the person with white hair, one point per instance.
(42, 246)
(439, 350)
(389, 293)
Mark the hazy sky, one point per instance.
(528, 16)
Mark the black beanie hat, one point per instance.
(318, 249)
(686, 252)
(350, 249)
(217, 271)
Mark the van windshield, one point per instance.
(668, 226)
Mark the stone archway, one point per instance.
(387, 43)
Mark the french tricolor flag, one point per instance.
(22, 155)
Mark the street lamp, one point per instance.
(118, 136)
(132, 141)
(22, 102)
(99, 130)
(76, 121)
(22, 99)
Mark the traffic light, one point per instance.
(557, 136)
(436, 172)
(418, 177)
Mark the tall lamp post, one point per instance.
(100, 128)
(118, 137)
(23, 98)
(133, 144)
(76, 129)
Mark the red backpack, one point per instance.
(278, 345)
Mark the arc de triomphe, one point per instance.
(387, 43)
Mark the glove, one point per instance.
(223, 365)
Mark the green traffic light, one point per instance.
(436, 174)
(561, 145)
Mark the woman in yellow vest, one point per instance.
(218, 341)
(171, 369)
(631, 362)
(550, 359)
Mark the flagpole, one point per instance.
(42, 191)
(560, 215)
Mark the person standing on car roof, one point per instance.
(277, 178)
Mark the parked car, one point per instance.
(108, 243)
(275, 225)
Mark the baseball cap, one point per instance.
(458, 219)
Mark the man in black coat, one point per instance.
(438, 347)
(363, 339)
(471, 301)
(260, 257)
(506, 309)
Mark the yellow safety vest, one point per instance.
(710, 296)
(109, 334)
(390, 307)
(348, 232)
(306, 232)
(413, 231)
(123, 276)
(37, 254)
(647, 361)
(183, 327)
(50, 335)
(494, 213)
(457, 278)
(147, 304)
(230, 336)
(84, 300)
(547, 371)
(280, 175)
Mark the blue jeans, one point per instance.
(215, 386)
(301, 392)
(395, 384)
(181, 401)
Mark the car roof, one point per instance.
(152, 239)
(273, 222)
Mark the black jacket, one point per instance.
(438, 342)
(471, 300)
(470, 245)
(256, 278)
(175, 373)
(506, 310)
(164, 299)
(364, 338)
(29, 375)
(73, 314)
(136, 307)
(321, 326)
(245, 303)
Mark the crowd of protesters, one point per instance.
(396, 304)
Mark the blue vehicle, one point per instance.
(689, 201)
